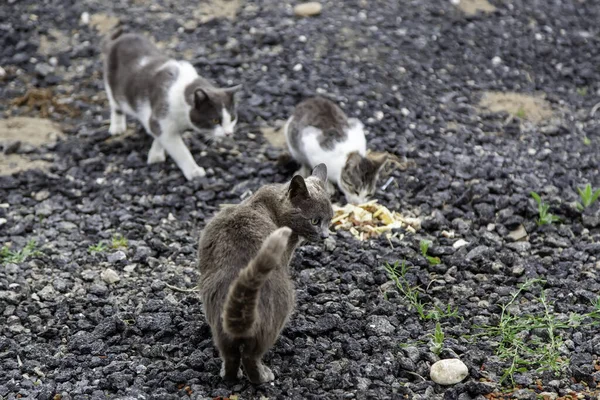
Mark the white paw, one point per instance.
(156, 156)
(197, 172)
(116, 129)
(266, 374)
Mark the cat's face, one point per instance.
(215, 110)
(310, 213)
(360, 174)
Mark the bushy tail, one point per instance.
(240, 312)
(111, 37)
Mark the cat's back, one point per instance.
(320, 113)
(132, 48)
(233, 237)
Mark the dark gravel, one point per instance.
(68, 328)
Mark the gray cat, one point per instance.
(243, 257)
(320, 132)
(167, 97)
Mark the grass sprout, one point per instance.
(97, 248)
(545, 217)
(588, 196)
(424, 245)
(118, 242)
(9, 256)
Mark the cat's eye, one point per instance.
(215, 121)
(315, 221)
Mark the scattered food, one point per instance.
(309, 9)
(370, 219)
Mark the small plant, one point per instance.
(586, 141)
(521, 113)
(424, 245)
(517, 335)
(9, 256)
(97, 248)
(397, 272)
(118, 241)
(545, 217)
(582, 91)
(437, 339)
(588, 196)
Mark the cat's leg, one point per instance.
(231, 356)
(156, 153)
(118, 122)
(171, 141)
(252, 360)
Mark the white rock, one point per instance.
(302, 39)
(110, 276)
(2, 221)
(2, 72)
(379, 115)
(496, 61)
(460, 243)
(448, 372)
(85, 17)
(309, 9)
(405, 112)
(298, 67)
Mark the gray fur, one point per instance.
(243, 257)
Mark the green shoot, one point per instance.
(118, 241)
(397, 272)
(587, 141)
(9, 256)
(521, 113)
(582, 91)
(545, 217)
(588, 196)
(424, 245)
(97, 248)
(437, 339)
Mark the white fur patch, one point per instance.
(227, 126)
(335, 159)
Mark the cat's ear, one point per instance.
(320, 171)
(200, 96)
(353, 160)
(382, 160)
(233, 90)
(298, 189)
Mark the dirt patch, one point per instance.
(55, 42)
(471, 7)
(13, 163)
(34, 131)
(523, 106)
(213, 9)
(274, 136)
(104, 23)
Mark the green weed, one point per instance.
(437, 339)
(545, 217)
(9, 256)
(588, 196)
(586, 141)
(582, 91)
(424, 245)
(521, 113)
(97, 248)
(118, 241)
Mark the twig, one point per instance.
(177, 289)
(594, 109)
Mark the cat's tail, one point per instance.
(111, 37)
(240, 312)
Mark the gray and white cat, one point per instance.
(167, 96)
(243, 257)
(320, 132)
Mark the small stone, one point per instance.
(448, 372)
(190, 26)
(518, 270)
(518, 233)
(309, 9)
(2, 72)
(43, 69)
(110, 276)
(496, 61)
(298, 67)
(116, 257)
(460, 243)
(380, 325)
(85, 17)
(330, 244)
(548, 395)
(379, 115)
(47, 293)
(405, 112)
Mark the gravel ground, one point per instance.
(83, 324)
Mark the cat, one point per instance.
(320, 132)
(243, 257)
(166, 96)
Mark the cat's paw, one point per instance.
(117, 129)
(156, 156)
(266, 375)
(196, 172)
(223, 375)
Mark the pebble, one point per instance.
(496, 61)
(460, 243)
(518, 233)
(116, 257)
(448, 372)
(85, 18)
(309, 9)
(110, 276)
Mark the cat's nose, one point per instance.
(324, 234)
